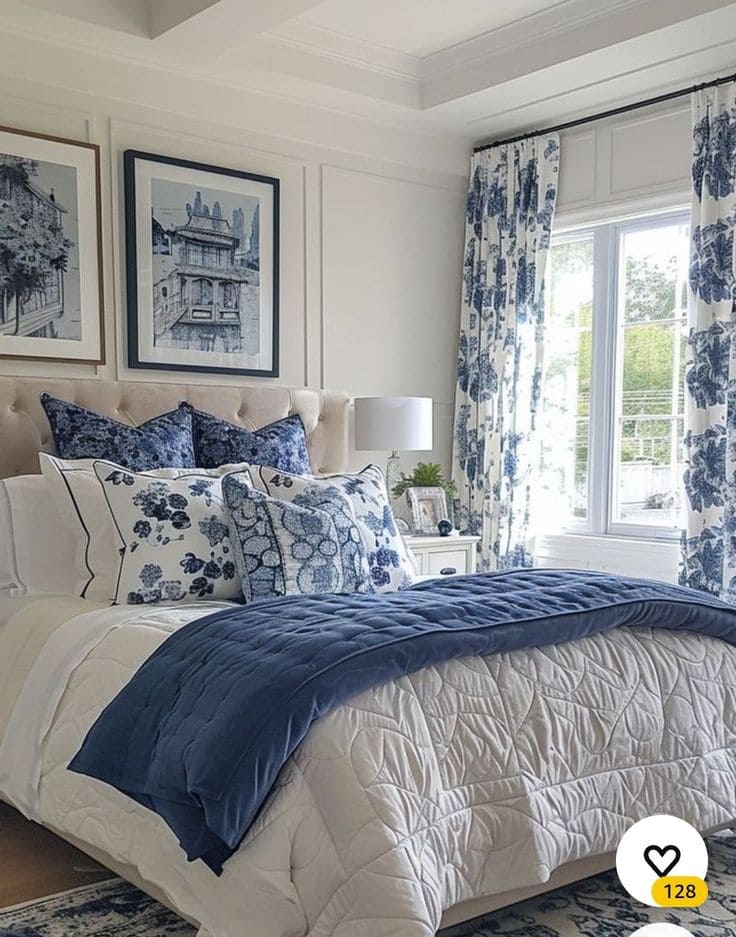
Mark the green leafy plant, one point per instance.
(425, 475)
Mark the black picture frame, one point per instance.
(131, 160)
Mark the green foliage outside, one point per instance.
(648, 353)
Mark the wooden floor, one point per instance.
(35, 863)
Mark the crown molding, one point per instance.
(336, 72)
(563, 18)
(327, 43)
(568, 31)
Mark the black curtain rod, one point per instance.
(614, 112)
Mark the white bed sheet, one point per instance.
(460, 781)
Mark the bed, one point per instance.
(428, 800)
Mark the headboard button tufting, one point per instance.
(255, 406)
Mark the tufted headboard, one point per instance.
(24, 429)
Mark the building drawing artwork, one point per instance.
(35, 252)
(206, 293)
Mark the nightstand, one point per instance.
(434, 554)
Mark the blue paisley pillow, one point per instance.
(390, 563)
(163, 442)
(282, 444)
(307, 545)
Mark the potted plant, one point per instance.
(427, 475)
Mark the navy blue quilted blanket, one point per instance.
(202, 729)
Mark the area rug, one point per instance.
(596, 907)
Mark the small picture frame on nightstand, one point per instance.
(428, 508)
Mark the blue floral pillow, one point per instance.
(173, 536)
(164, 441)
(282, 444)
(310, 544)
(391, 566)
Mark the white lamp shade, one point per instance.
(383, 423)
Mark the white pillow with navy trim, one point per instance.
(79, 500)
(34, 548)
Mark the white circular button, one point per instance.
(662, 930)
(656, 847)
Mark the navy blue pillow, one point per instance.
(281, 445)
(163, 442)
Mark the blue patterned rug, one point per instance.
(596, 907)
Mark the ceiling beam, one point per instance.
(555, 37)
(219, 25)
(131, 17)
(165, 15)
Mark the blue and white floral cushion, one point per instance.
(79, 433)
(307, 545)
(282, 444)
(391, 566)
(172, 535)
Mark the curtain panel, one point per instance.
(709, 540)
(509, 211)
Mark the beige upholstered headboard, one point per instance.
(24, 429)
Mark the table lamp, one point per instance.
(393, 423)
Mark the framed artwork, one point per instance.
(428, 508)
(51, 302)
(202, 267)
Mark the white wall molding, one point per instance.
(630, 165)
(402, 329)
(655, 559)
(254, 101)
(392, 212)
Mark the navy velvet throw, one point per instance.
(202, 729)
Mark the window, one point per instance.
(195, 254)
(202, 293)
(228, 296)
(612, 395)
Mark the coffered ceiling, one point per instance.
(475, 68)
(419, 27)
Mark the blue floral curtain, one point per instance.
(709, 541)
(510, 206)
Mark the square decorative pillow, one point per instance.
(79, 498)
(172, 534)
(391, 566)
(282, 444)
(306, 545)
(166, 440)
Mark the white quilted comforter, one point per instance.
(461, 781)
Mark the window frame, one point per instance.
(603, 447)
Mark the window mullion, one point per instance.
(602, 411)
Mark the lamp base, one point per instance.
(393, 473)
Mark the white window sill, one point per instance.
(627, 556)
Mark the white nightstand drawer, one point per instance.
(433, 553)
(454, 559)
